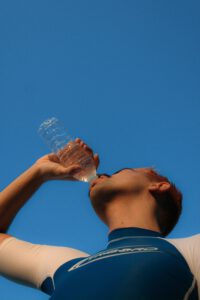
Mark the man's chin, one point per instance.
(100, 195)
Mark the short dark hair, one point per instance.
(169, 203)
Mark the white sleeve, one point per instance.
(30, 264)
(190, 249)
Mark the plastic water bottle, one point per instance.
(69, 152)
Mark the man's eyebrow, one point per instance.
(124, 169)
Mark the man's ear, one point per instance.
(159, 187)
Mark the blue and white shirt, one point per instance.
(136, 264)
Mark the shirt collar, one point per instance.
(132, 231)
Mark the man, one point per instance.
(139, 206)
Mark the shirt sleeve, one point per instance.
(30, 264)
(189, 247)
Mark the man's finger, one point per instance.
(75, 170)
(84, 145)
(78, 140)
(88, 149)
(70, 171)
(53, 157)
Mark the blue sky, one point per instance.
(123, 76)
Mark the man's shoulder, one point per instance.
(189, 246)
(181, 240)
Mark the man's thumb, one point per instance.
(74, 169)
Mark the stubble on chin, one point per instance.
(101, 195)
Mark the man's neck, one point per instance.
(126, 213)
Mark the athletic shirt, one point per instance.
(137, 264)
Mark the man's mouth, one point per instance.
(99, 179)
(94, 183)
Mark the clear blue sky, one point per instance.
(122, 75)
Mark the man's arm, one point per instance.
(31, 264)
(22, 261)
(15, 195)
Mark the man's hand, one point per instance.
(51, 168)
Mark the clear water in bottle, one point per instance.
(69, 152)
(73, 153)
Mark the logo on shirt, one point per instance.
(112, 253)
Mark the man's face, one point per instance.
(127, 181)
